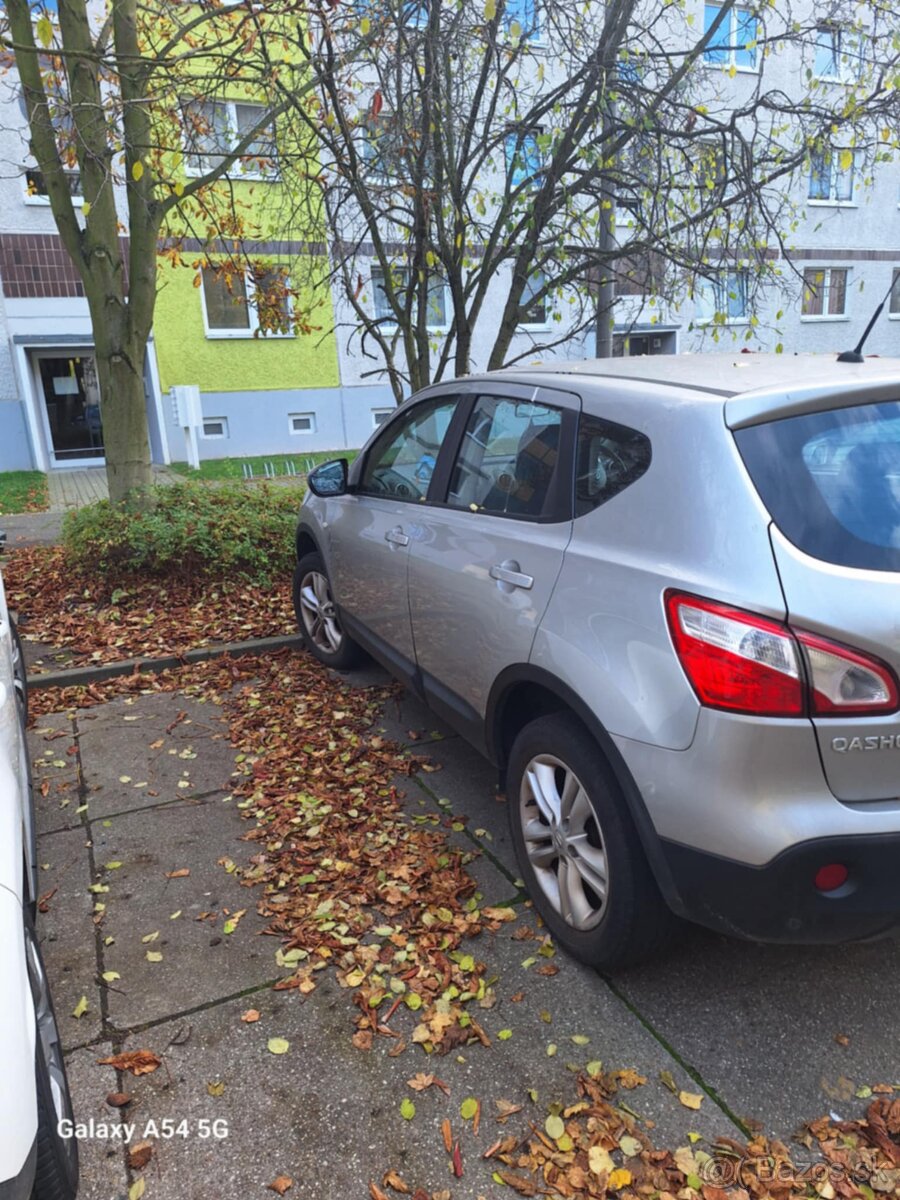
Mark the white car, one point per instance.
(35, 1161)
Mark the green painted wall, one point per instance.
(186, 355)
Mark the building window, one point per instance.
(735, 42)
(895, 294)
(244, 304)
(302, 423)
(523, 160)
(380, 415)
(521, 19)
(831, 175)
(824, 292)
(838, 54)
(726, 298)
(215, 427)
(534, 311)
(36, 187)
(212, 130)
(384, 310)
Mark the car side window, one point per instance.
(609, 458)
(402, 460)
(508, 459)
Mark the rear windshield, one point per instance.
(831, 481)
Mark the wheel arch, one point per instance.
(525, 692)
(305, 543)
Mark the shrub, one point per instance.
(188, 529)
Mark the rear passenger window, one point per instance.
(508, 460)
(610, 457)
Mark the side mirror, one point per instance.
(330, 479)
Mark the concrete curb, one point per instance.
(81, 676)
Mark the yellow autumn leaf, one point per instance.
(86, 209)
(490, 9)
(619, 1179)
(137, 170)
(690, 1099)
(732, 71)
(278, 1046)
(600, 1161)
(153, 956)
(846, 160)
(44, 31)
(137, 1189)
(80, 1008)
(364, 26)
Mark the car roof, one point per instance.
(754, 386)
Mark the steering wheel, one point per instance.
(393, 483)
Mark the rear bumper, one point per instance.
(778, 902)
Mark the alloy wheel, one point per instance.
(319, 614)
(564, 842)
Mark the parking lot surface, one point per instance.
(141, 853)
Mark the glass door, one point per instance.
(72, 409)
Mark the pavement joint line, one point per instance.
(188, 802)
(82, 676)
(485, 850)
(142, 1027)
(94, 875)
(687, 1067)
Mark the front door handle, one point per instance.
(396, 537)
(510, 572)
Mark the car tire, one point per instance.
(19, 673)
(571, 829)
(56, 1176)
(317, 617)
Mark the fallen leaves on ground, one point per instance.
(280, 1184)
(138, 1062)
(100, 621)
(351, 882)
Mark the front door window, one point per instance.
(402, 461)
(72, 402)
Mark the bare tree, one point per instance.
(486, 161)
(141, 98)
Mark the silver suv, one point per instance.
(663, 596)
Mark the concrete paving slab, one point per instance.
(759, 1022)
(469, 782)
(327, 1115)
(101, 1159)
(495, 882)
(65, 931)
(55, 773)
(200, 963)
(134, 755)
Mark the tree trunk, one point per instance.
(123, 412)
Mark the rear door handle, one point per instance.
(396, 537)
(509, 572)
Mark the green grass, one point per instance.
(233, 468)
(23, 491)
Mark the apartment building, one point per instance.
(290, 392)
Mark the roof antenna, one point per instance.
(856, 356)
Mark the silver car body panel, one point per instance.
(605, 633)
(861, 756)
(747, 789)
(369, 573)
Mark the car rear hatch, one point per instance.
(829, 476)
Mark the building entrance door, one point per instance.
(71, 409)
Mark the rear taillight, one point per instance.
(741, 662)
(844, 682)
